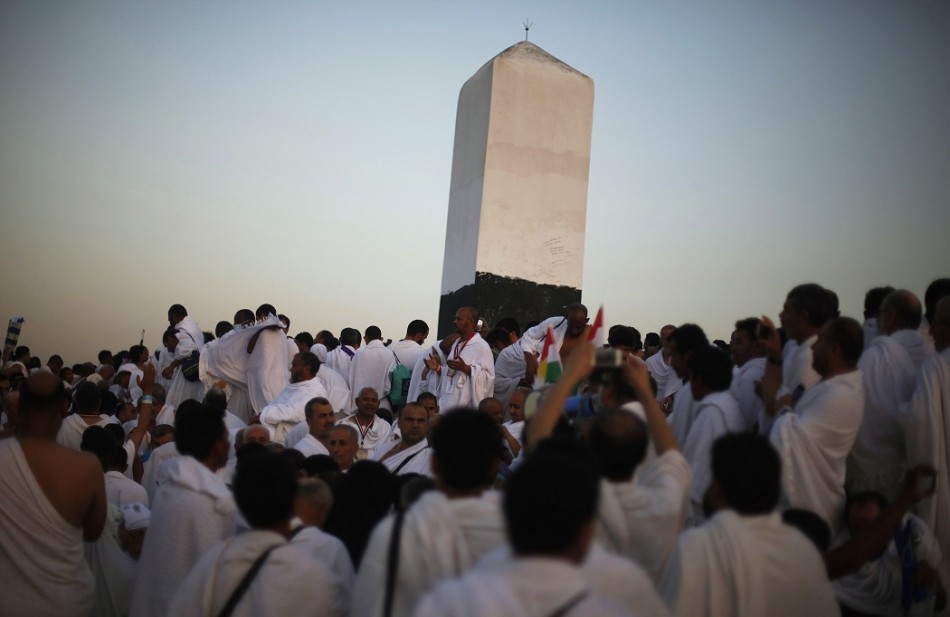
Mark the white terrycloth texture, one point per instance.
(372, 367)
(192, 511)
(813, 443)
(289, 583)
(875, 589)
(441, 538)
(70, 432)
(747, 565)
(510, 368)
(461, 390)
(683, 413)
(112, 569)
(431, 384)
(287, 409)
(338, 392)
(328, 550)
(310, 446)
(340, 361)
(527, 587)
(743, 390)
(876, 462)
(619, 580)
(642, 518)
(419, 463)
(716, 415)
(918, 347)
(41, 555)
(121, 491)
(927, 428)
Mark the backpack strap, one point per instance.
(392, 564)
(242, 587)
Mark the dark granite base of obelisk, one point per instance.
(496, 297)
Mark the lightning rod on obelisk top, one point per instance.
(527, 26)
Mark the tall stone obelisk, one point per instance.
(514, 241)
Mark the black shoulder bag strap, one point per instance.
(392, 564)
(406, 462)
(242, 587)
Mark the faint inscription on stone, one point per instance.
(557, 252)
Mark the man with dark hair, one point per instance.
(814, 434)
(660, 370)
(319, 416)
(243, 318)
(549, 507)
(190, 339)
(372, 367)
(683, 342)
(927, 428)
(409, 350)
(86, 398)
(807, 307)
(192, 511)
(19, 365)
(340, 358)
(287, 410)
(447, 530)
(749, 358)
(288, 581)
(717, 414)
(626, 339)
(745, 560)
(54, 498)
(408, 450)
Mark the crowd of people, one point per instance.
(799, 469)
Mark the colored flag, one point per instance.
(550, 368)
(596, 335)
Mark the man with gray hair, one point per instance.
(311, 507)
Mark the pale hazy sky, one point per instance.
(225, 154)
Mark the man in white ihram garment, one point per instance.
(445, 531)
(372, 367)
(814, 435)
(468, 374)
(340, 358)
(927, 430)
(549, 507)
(408, 451)
(287, 410)
(190, 339)
(192, 510)
(877, 460)
(518, 363)
(745, 560)
(749, 356)
(288, 582)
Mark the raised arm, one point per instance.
(661, 433)
(578, 366)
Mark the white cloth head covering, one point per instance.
(136, 516)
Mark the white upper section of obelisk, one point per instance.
(518, 199)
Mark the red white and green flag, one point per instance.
(596, 335)
(550, 367)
